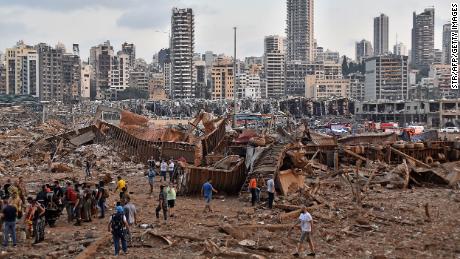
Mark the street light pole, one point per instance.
(234, 78)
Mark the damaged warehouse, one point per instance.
(370, 185)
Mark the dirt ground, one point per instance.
(390, 224)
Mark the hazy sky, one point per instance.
(338, 23)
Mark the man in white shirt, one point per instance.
(171, 171)
(306, 224)
(271, 191)
(163, 168)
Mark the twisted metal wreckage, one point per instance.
(207, 148)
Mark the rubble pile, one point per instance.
(370, 195)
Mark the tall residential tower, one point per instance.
(182, 47)
(381, 35)
(446, 43)
(274, 66)
(363, 50)
(300, 30)
(423, 40)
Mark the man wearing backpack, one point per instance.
(70, 198)
(101, 197)
(118, 227)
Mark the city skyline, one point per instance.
(131, 21)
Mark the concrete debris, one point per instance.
(357, 183)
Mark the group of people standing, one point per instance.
(167, 194)
(15, 207)
(255, 191)
(83, 202)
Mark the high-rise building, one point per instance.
(329, 70)
(182, 49)
(156, 87)
(296, 72)
(387, 78)
(100, 59)
(331, 56)
(400, 49)
(274, 66)
(446, 43)
(119, 72)
(319, 54)
(249, 86)
(356, 86)
(51, 71)
(300, 30)
(437, 56)
(441, 80)
(164, 56)
(2, 78)
(200, 77)
(209, 58)
(316, 88)
(60, 72)
(381, 35)
(130, 50)
(167, 71)
(423, 40)
(139, 79)
(71, 76)
(222, 79)
(363, 50)
(22, 70)
(86, 79)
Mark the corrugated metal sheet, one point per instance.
(320, 139)
(224, 181)
(369, 138)
(212, 140)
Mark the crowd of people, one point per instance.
(84, 201)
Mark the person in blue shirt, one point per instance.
(207, 191)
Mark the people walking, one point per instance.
(118, 227)
(70, 197)
(131, 217)
(171, 197)
(206, 192)
(101, 197)
(162, 204)
(78, 205)
(38, 221)
(253, 190)
(87, 169)
(163, 169)
(151, 176)
(271, 192)
(171, 167)
(9, 214)
(120, 184)
(306, 225)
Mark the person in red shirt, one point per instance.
(253, 190)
